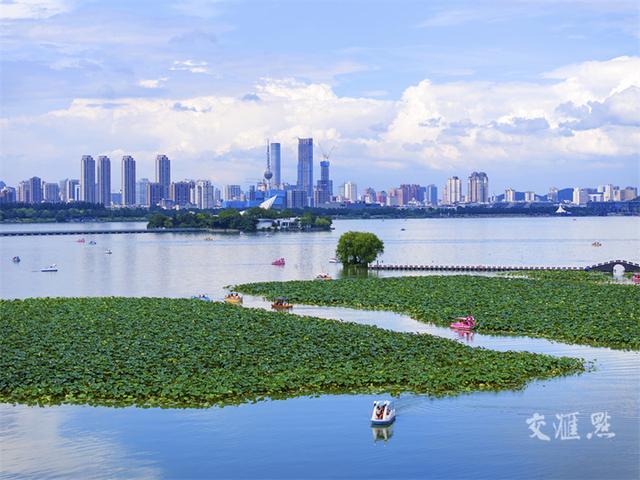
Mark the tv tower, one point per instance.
(268, 174)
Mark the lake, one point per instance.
(479, 435)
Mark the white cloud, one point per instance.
(32, 9)
(190, 66)
(458, 125)
(152, 83)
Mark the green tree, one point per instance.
(358, 248)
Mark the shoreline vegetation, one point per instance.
(86, 212)
(187, 353)
(573, 307)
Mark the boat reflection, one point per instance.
(382, 433)
(467, 336)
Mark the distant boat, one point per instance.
(209, 239)
(278, 262)
(92, 242)
(108, 252)
(596, 244)
(202, 296)
(333, 260)
(383, 413)
(16, 259)
(323, 276)
(80, 240)
(51, 268)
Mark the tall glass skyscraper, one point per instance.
(104, 180)
(324, 189)
(128, 180)
(87, 179)
(478, 188)
(432, 195)
(163, 174)
(275, 164)
(305, 167)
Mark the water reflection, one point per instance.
(382, 433)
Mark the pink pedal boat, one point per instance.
(278, 263)
(464, 323)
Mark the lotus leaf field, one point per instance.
(575, 307)
(189, 353)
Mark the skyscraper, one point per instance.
(68, 187)
(275, 164)
(35, 187)
(452, 191)
(163, 174)
(432, 195)
(141, 191)
(478, 188)
(128, 188)
(104, 180)
(87, 179)
(232, 192)
(305, 167)
(324, 189)
(350, 191)
(204, 194)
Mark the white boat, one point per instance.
(383, 413)
(51, 268)
(333, 260)
(108, 252)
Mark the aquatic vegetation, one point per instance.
(189, 353)
(564, 306)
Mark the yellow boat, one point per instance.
(233, 298)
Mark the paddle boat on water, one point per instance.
(80, 240)
(51, 268)
(279, 262)
(92, 242)
(464, 323)
(233, 297)
(281, 303)
(324, 276)
(204, 297)
(636, 278)
(208, 239)
(383, 413)
(596, 244)
(108, 251)
(333, 260)
(16, 259)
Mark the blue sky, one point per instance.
(535, 93)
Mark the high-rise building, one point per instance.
(104, 180)
(181, 193)
(381, 197)
(478, 188)
(350, 191)
(296, 198)
(23, 194)
(580, 196)
(529, 197)
(8, 195)
(141, 191)
(204, 194)
(68, 188)
(163, 174)
(510, 195)
(35, 188)
(552, 196)
(626, 194)
(432, 195)
(275, 164)
(324, 189)
(369, 195)
(305, 167)
(128, 188)
(452, 191)
(232, 192)
(412, 192)
(51, 192)
(87, 179)
(154, 194)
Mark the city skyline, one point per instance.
(406, 97)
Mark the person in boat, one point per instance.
(380, 412)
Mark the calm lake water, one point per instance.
(481, 435)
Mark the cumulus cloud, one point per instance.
(190, 66)
(442, 126)
(152, 83)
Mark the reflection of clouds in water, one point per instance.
(34, 443)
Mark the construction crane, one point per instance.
(324, 153)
